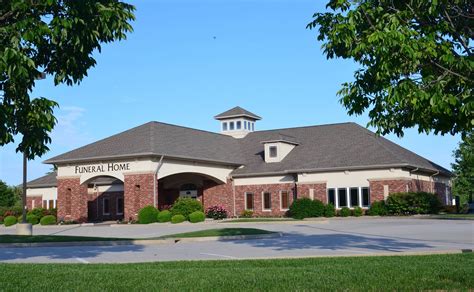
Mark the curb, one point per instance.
(144, 242)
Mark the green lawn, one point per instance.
(52, 238)
(243, 220)
(219, 232)
(453, 216)
(434, 272)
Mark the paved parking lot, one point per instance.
(336, 237)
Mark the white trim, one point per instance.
(103, 206)
(253, 201)
(263, 202)
(33, 203)
(281, 201)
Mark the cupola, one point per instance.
(237, 122)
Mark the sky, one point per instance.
(187, 61)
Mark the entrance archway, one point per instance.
(188, 185)
(105, 199)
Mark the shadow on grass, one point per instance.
(333, 242)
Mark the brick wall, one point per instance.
(72, 200)
(394, 186)
(257, 190)
(319, 191)
(138, 193)
(214, 194)
(38, 202)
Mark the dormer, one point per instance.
(237, 122)
(277, 149)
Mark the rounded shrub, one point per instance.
(32, 219)
(216, 212)
(38, 212)
(164, 216)
(345, 212)
(329, 210)
(147, 215)
(48, 220)
(9, 221)
(305, 207)
(186, 206)
(197, 216)
(377, 208)
(357, 212)
(246, 214)
(178, 219)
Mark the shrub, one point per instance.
(345, 212)
(38, 212)
(216, 212)
(329, 210)
(178, 219)
(164, 216)
(48, 220)
(32, 219)
(305, 207)
(186, 206)
(9, 221)
(413, 203)
(147, 215)
(247, 214)
(357, 211)
(197, 216)
(377, 208)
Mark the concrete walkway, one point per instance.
(335, 237)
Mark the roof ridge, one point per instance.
(305, 127)
(189, 128)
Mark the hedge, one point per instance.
(9, 221)
(345, 212)
(48, 220)
(357, 211)
(164, 216)
(147, 215)
(413, 203)
(196, 217)
(32, 219)
(329, 210)
(186, 206)
(305, 207)
(377, 208)
(178, 219)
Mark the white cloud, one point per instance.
(70, 131)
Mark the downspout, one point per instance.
(155, 179)
(233, 196)
(412, 171)
(432, 180)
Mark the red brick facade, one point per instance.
(38, 202)
(319, 191)
(406, 185)
(138, 193)
(218, 195)
(96, 210)
(72, 200)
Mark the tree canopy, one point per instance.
(7, 195)
(463, 169)
(416, 61)
(52, 37)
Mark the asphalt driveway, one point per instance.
(335, 237)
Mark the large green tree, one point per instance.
(415, 61)
(48, 37)
(7, 195)
(463, 169)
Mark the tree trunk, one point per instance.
(23, 196)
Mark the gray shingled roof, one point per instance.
(326, 147)
(48, 180)
(320, 148)
(237, 112)
(156, 139)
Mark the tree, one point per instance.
(463, 169)
(7, 195)
(48, 37)
(416, 61)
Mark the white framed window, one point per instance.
(342, 197)
(365, 193)
(332, 197)
(354, 197)
(231, 126)
(266, 201)
(224, 126)
(253, 127)
(284, 200)
(249, 201)
(238, 125)
(273, 151)
(120, 206)
(105, 206)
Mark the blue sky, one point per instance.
(187, 61)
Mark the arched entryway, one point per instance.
(187, 185)
(105, 199)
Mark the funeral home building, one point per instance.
(239, 168)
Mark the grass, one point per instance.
(52, 238)
(433, 272)
(219, 232)
(453, 216)
(243, 220)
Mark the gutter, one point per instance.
(155, 179)
(432, 180)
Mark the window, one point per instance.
(267, 201)
(285, 200)
(332, 196)
(224, 126)
(105, 206)
(45, 204)
(51, 204)
(342, 197)
(253, 127)
(248, 201)
(231, 126)
(354, 192)
(119, 206)
(273, 151)
(239, 125)
(365, 197)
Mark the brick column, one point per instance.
(319, 191)
(138, 193)
(72, 200)
(394, 186)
